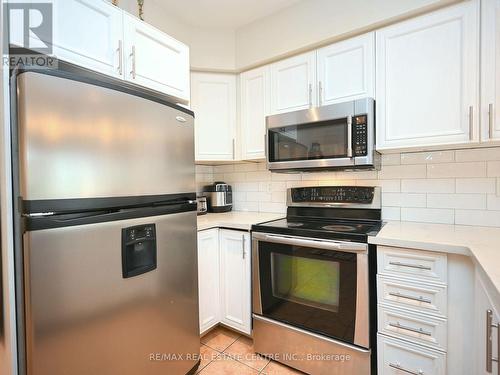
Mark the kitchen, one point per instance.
(344, 158)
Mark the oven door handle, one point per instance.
(348, 247)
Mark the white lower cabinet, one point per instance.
(208, 278)
(485, 335)
(412, 311)
(416, 328)
(396, 357)
(224, 279)
(235, 280)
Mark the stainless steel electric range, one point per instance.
(314, 302)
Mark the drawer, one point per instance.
(417, 328)
(396, 357)
(419, 297)
(415, 264)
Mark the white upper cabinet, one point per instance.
(346, 70)
(235, 280)
(490, 80)
(155, 60)
(427, 79)
(88, 33)
(213, 100)
(208, 278)
(293, 83)
(255, 106)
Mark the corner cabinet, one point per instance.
(213, 100)
(235, 280)
(486, 329)
(293, 83)
(346, 70)
(224, 279)
(427, 79)
(255, 106)
(154, 59)
(208, 278)
(490, 70)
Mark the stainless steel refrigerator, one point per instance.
(106, 227)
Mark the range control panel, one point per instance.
(360, 135)
(333, 194)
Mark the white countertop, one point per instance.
(480, 243)
(235, 219)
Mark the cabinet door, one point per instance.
(255, 104)
(483, 303)
(235, 280)
(208, 278)
(293, 83)
(346, 70)
(156, 60)
(213, 100)
(427, 79)
(490, 70)
(88, 33)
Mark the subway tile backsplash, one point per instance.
(452, 186)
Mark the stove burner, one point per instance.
(340, 228)
(294, 225)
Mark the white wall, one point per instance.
(313, 22)
(211, 49)
(451, 187)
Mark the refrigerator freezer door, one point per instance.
(79, 140)
(83, 317)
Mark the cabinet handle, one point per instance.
(310, 95)
(411, 329)
(471, 123)
(349, 136)
(417, 266)
(233, 149)
(120, 57)
(132, 54)
(320, 100)
(489, 343)
(397, 366)
(418, 299)
(490, 119)
(243, 246)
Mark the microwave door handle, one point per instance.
(349, 136)
(318, 244)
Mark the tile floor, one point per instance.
(225, 352)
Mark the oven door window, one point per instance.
(318, 140)
(313, 289)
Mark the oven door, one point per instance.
(319, 286)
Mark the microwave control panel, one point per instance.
(360, 136)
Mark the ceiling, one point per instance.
(222, 14)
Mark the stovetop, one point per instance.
(349, 230)
(349, 213)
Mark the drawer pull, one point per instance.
(406, 328)
(397, 366)
(418, 299)
(409, 265)
(489, 343)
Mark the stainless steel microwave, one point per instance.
(337, 136)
